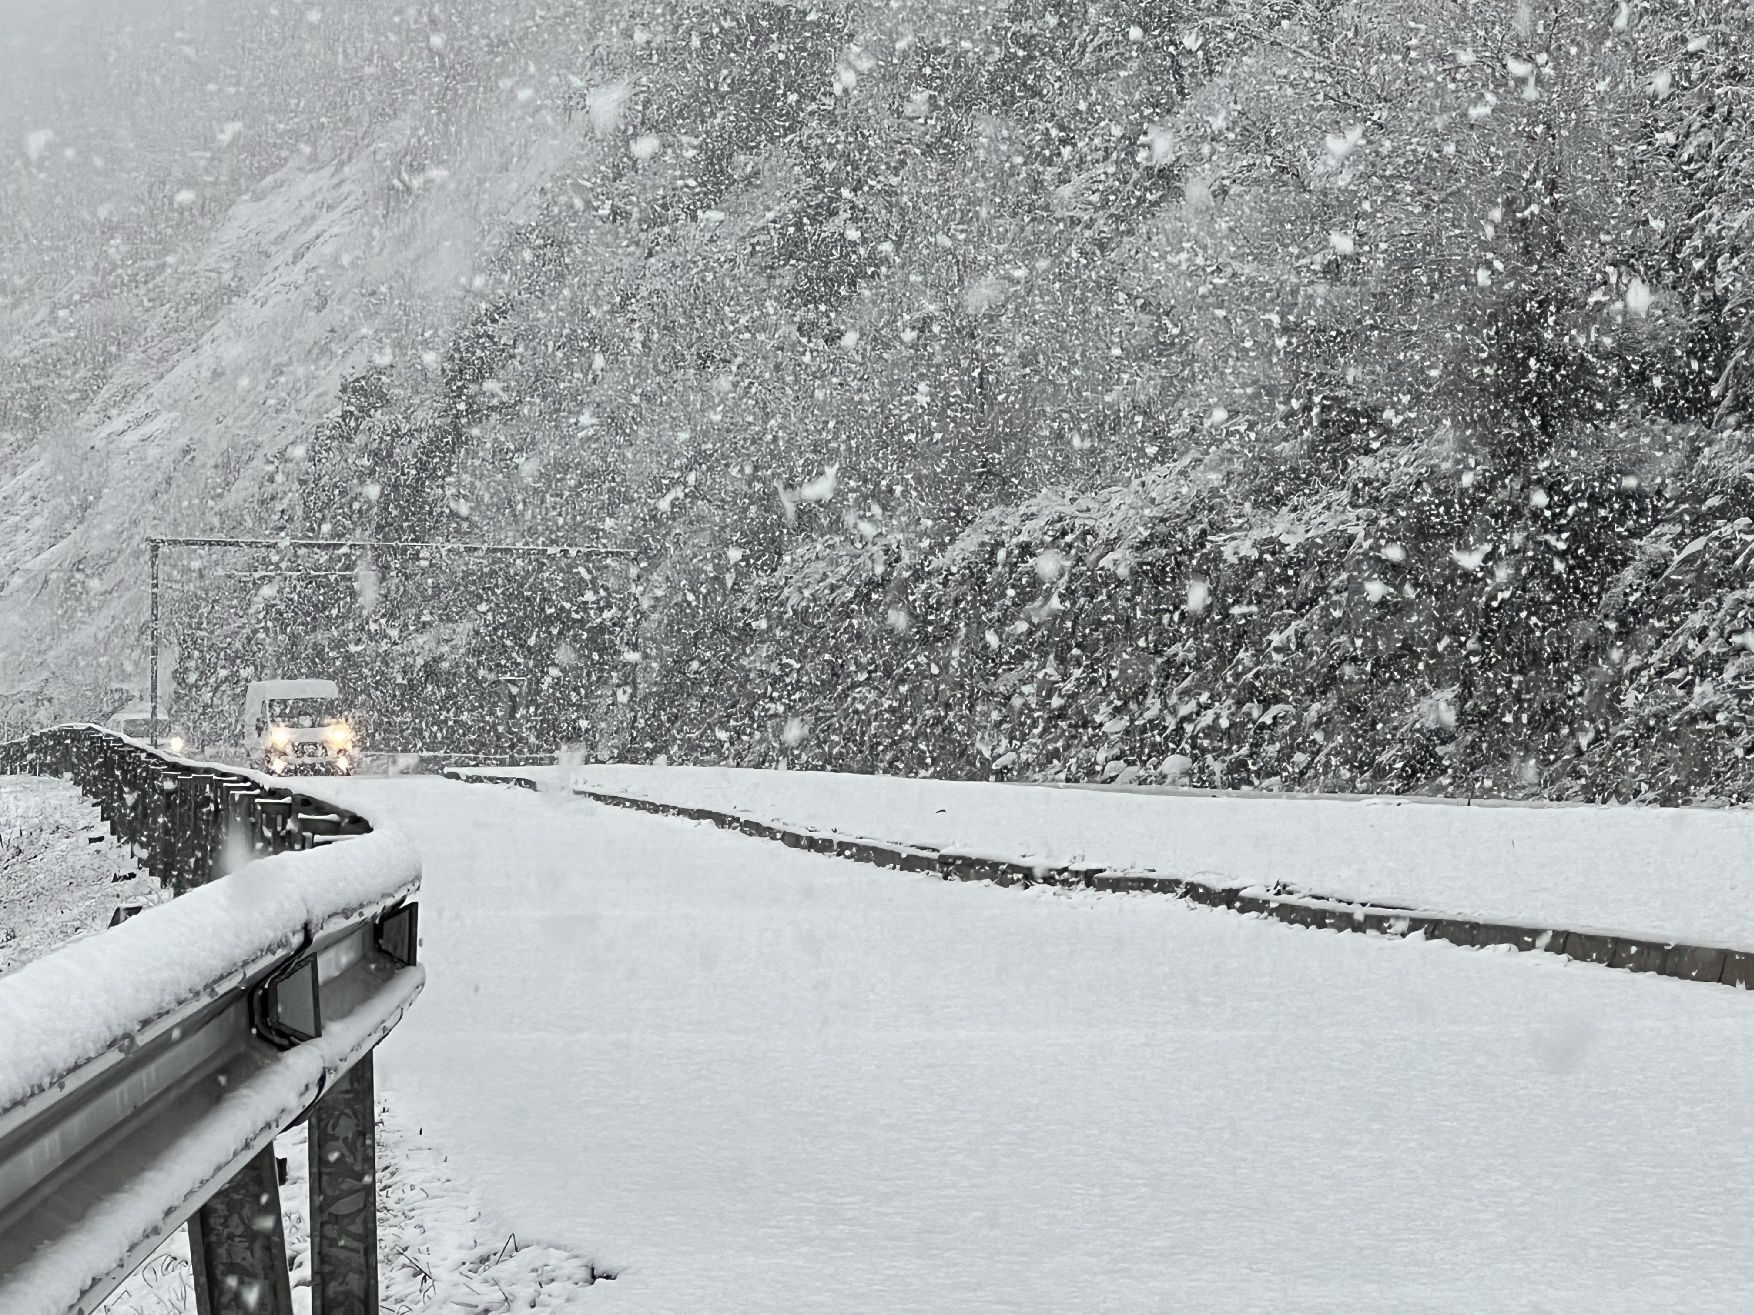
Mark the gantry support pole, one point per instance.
(152, 568)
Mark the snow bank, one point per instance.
(1663, 873)
(73, 1005)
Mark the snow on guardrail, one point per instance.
(76, 1270)
(73, 1005)
(145, 1071)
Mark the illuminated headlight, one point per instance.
(340, 736)
(277, 765)
(342, 762)
(175, 744)
(279, 737)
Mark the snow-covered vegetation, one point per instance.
(1300, 395)
(62, 874)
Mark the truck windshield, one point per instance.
(303, 713)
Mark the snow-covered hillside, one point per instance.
(915, 354)
(352, 247)
(62, 875)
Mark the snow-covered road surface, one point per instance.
(751, 1079)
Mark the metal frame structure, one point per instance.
(159, 541)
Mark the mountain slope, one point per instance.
(1348, 396)
(237, 346)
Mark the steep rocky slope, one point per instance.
(1349, 396)
(237, 331)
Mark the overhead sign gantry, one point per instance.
(524, 551)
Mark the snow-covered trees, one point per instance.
(1344, 395)
(1420, 300)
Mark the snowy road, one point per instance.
(757, 1080)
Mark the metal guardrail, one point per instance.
(145, 1071)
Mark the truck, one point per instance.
(298, 728)
(135, 721)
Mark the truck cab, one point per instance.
(135, 721)
(298, 728)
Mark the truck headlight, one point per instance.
(279, 737)
(340, 736)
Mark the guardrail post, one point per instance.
(344, 1196)
(314, 826)
(237, 1245)
(273, 818)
